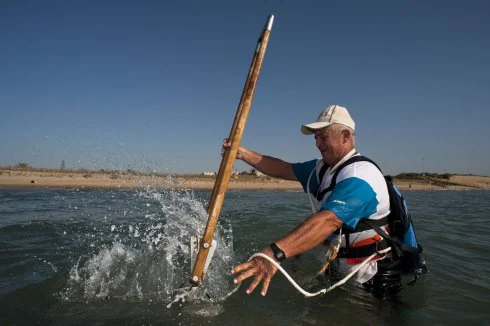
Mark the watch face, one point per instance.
(278, 253)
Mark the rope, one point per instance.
(322, 291)
(289, 278)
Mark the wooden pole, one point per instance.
(229, 156)
(238, 114)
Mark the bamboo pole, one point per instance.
(229, 156)
(238, 114)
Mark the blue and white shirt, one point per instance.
(360, 193)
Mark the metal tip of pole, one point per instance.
(270, 21)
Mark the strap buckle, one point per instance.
(379, 245)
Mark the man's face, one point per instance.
(330, 144)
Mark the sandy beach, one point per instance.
(89, 179)
(34, 178)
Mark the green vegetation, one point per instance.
(436, 179)
(423, 176)
(23, 166)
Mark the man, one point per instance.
(360, 193)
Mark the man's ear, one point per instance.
(346, 136)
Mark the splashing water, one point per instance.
(145, 257)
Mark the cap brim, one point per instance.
(310, 129)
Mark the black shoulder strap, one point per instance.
(321, 174)
(351, 160)
(323, 170)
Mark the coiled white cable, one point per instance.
(289, 278)
(322, 291)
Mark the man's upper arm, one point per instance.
(351, 200)
(288, 173)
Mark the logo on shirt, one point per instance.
(339, 202)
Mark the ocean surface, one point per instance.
(118, 257)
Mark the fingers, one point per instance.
(265, 285)
(256, 267)
(242, 267)
(226, 146)
(250, 271)
(254, 283)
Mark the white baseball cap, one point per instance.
(332, 114)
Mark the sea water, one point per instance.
(81, 256)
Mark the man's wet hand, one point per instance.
(259, 267)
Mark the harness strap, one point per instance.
(363, 251)
(351, 160)
(397, 244)
(321, 174)
(364, 227)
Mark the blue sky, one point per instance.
(155, 85)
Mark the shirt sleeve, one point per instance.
(302, 172)
(351, 200)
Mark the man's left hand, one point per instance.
(259, 267)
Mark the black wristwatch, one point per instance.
(278, 253)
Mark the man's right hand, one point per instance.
(226, 147)
(268, 165)
(261, 269)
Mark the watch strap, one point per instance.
(278, 253)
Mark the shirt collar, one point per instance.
(353, 152)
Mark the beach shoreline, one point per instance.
(31, 178)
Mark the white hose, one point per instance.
(323, 291)
(290, 279)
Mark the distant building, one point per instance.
(256, 173)
(208, 173)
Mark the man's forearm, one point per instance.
(309, 234)
(269, 165)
